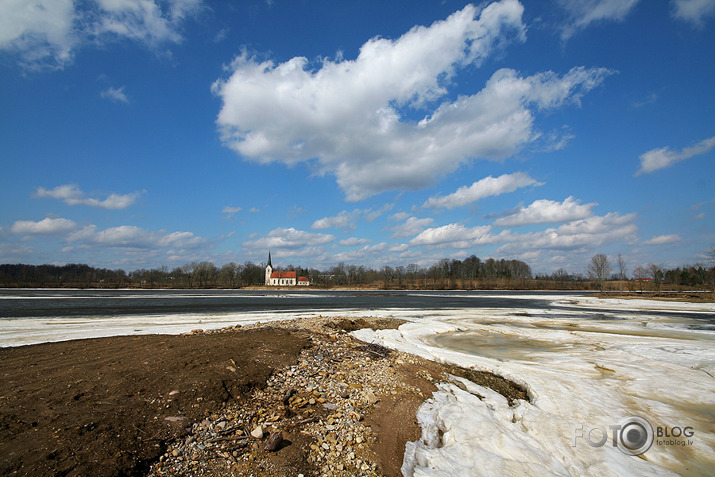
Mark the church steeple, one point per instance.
(269, 270)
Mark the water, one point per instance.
(72, 303)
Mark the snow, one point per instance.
(579, 370)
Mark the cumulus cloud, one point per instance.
(458, 236)
(489, 186)
(344, 220)
(366, 254)
(547, 211)
(72, 195)
(130, 236)
(664, 157)
(289, 242)
(581, 13)
(348, 220)
(115, 94)
(693, 11)
(663, 239)
(47, 226)
(352, 241)
(589, 234)
(47, 32)
(410, 227)
(359, 119)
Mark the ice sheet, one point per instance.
(578, 371)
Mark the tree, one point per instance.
(656, 274)
(599, 269)
(640, 274)
(622, 270)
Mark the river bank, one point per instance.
(209, 402)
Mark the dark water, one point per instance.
(69, 303)
(29, 303)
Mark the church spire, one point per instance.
(269, 259)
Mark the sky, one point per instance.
(148, 133)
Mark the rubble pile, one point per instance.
(308, 419)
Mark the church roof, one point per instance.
(283, 275)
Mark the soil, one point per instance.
(699, 297)
(118, 406)
(109, 406)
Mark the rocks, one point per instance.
(312, 410)
(274, 441)
(257, 433)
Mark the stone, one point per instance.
(288, 395)
(274, 441)
(257, 433)
(371, 398)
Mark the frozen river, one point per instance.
(588, 364)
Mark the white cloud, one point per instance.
(47, 32)
(289, 241)
(47, 226)
(355, 118)
(368, 254)
(72, 195)
(547, 211)
(38, 29)
(115, 94)
(694, 11)
(352, 241)
(348, 220)
(458, 236)
(344, 220)
(489, 186)
(581, 13)
(410, 227)
(663, 239)
(231, 211)
(589, 234)
(130, 236)
(664, 157)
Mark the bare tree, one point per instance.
(656, 274)
(599, 269)
(640, 274)
(622, 271)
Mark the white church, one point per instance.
(288, 279)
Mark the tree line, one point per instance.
(447, 273)
(472, 273)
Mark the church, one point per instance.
(288, 279)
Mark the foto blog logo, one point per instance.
(632, 435)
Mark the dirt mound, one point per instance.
(107, 407)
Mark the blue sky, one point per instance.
(142, 133)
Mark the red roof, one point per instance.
(283, 275)
(303, 279)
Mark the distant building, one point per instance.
(288, 279)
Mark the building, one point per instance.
(286, 279)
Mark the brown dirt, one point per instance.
(107, 407)
(703, 297)
(113, 406)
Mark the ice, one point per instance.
(579, 370)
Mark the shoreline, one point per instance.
(178, 404)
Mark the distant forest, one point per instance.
(472, 273)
